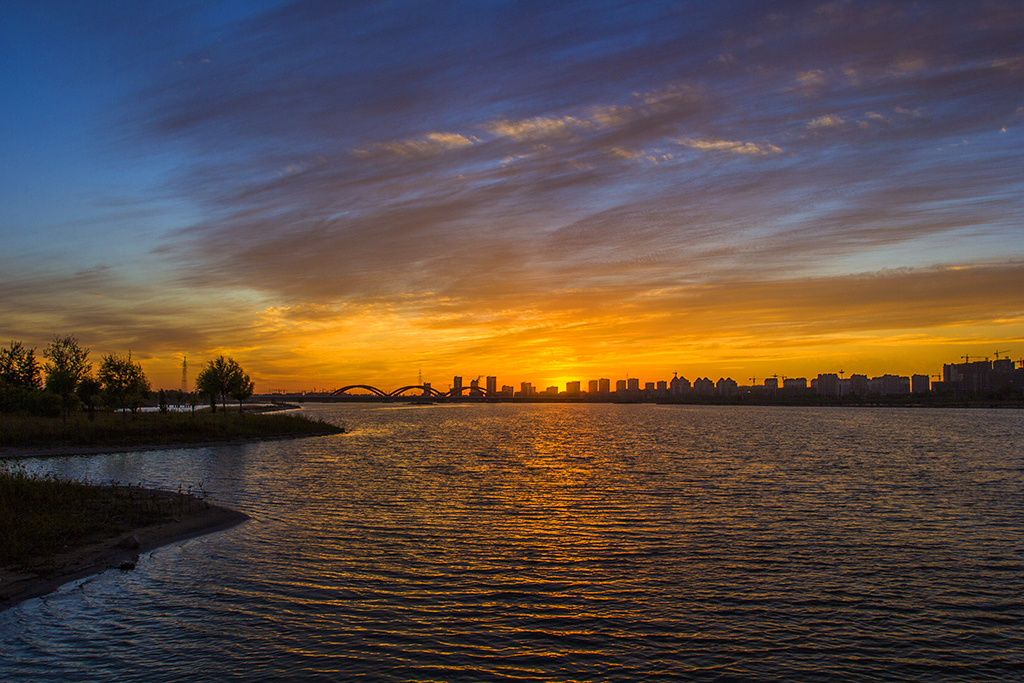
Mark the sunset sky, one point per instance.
(354, 192)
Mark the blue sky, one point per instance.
(337, 192)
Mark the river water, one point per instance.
(568, 543)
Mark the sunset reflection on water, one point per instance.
(572, 542)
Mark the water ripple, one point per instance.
(576, 542)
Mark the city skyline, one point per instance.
(826, 383)
(549, 191)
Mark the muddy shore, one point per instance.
(75, 563)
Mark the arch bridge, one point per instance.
(401, 390)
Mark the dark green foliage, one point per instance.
(88, 390)
(28, 401)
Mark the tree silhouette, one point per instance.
(241, 388)
(223, 377)
(124, 383)
(87, 391)
(67, 365)
(19, 367)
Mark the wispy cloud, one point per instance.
(758, 148)
(429, 144)
(826, 121)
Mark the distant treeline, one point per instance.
(64, 383)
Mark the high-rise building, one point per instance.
(679, 385)
(889, 385)
(703, 386)
(920, 384)
(1002, 365)
(827, 384)
(726, 386)
(492, 385)
(620, 386)
(526, 389)
(604, 386)
(592, 387)
(633, 384)
(572, 388)
(662, 386)
(457, 386)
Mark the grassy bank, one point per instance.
(153, 429)
(41, 515)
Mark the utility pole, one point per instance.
(184, 380)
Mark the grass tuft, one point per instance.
(153, 429)
(42, 514)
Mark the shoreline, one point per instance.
(95, 558)
(32, 437)
(24, 452)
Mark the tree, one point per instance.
(66, 366)
(124, 383)
(241, 388)
(19, 367)
(212, 381)
(87, 391)
(223, 377)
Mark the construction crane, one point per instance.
(967, 359)
(999, 352)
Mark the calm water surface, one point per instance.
(569, 543)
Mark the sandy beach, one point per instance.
(79, 562)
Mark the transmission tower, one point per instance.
(184, 374)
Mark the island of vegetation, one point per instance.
(54, 530)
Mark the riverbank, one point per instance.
(54, 531)
(28, 436)
(18, 585)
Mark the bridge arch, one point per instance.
(375, 390)
(400, 391)
(458, 392)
